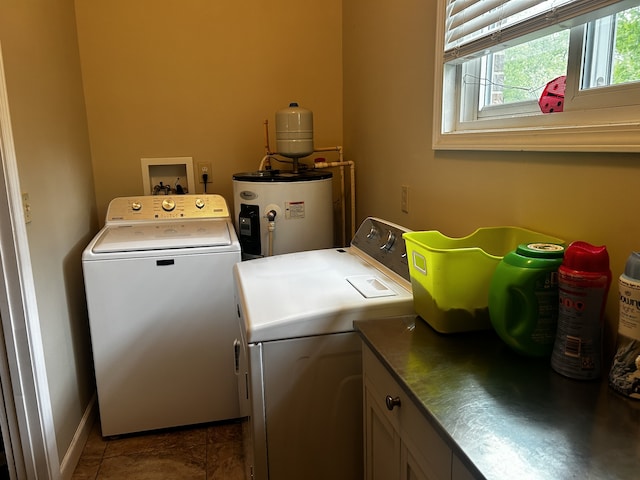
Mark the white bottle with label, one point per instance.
(624, 376)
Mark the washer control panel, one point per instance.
(167, 207)
(383, 242)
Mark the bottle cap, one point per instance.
(582, 256)
(632, 267)
(541, 250)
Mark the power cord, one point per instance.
(205, 177)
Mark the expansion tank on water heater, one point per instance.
(303, 207)
(284, 211)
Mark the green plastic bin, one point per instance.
(450, 276)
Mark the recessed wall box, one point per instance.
(162, 175)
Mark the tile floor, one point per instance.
(203, 452)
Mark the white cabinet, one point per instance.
(459, 471)
(382, 443)
(400, 444)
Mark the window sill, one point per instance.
(624, 137)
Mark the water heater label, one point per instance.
(248, 195)
(294, 210)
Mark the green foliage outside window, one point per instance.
(528, 67)
(626, 67)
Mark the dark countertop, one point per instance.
(508, 416)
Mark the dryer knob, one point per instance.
(168, 204)
(388, 244)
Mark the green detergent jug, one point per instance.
(523, 298)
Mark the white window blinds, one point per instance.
(476, 27)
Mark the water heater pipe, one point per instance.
(267, 148)
(265, 161)
(271, 218)
(341, 163)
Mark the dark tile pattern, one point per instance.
(203, 452)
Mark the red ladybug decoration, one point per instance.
(552, 98)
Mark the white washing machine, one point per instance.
(300, 366)
(159, 286)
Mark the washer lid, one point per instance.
(162, 235)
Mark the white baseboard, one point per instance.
(72, 456)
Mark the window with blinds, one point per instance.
(538, 75)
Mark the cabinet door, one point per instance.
(459, 470)
(419, 453)
(382, 442)
(427, 456)
(411, 467)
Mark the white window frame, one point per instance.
(590, 121)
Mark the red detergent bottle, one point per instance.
(584, 279)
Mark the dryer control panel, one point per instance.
(382, 241)
(166, 207)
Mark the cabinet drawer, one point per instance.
(417, 434)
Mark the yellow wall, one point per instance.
(388, 100)
(198, 78)
(44, 88)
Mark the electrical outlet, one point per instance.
(204, 167)
(404, 199)
(26, 207)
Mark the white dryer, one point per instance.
(159, 286)
(300, 365)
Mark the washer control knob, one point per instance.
(388, 244)
(136, 206)
(373, 233)
(199, 203)
(168, 204)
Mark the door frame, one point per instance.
(29, 429)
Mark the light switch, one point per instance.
(26, 207)
(404, 199)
